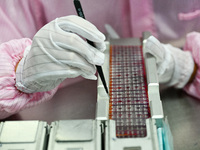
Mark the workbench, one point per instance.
(78, 101)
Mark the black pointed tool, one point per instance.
(80, 13)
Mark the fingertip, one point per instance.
(99, 58)
(90, 77)
(101, 46)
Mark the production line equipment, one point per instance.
(129, 118)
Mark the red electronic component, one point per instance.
(129, 105)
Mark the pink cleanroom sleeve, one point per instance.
(11, 99)
(193, 45)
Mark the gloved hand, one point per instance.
(59, 51)
(174, 66)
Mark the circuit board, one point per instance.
(128, 105)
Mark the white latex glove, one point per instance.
(59, 51)
(174, 66)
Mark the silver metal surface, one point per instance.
(75, 135)
(23, 135)
(75, 130)
(11, 131)
(155, 103)
(183, 112)
(153, 88)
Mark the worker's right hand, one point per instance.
(59, 51)
(174, 66)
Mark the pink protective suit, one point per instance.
(20, 20)
(193, 45)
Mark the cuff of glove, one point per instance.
(183, 68)
(19, 76)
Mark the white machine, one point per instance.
(130, 118)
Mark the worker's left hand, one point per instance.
(59, 51)
(174, 66)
